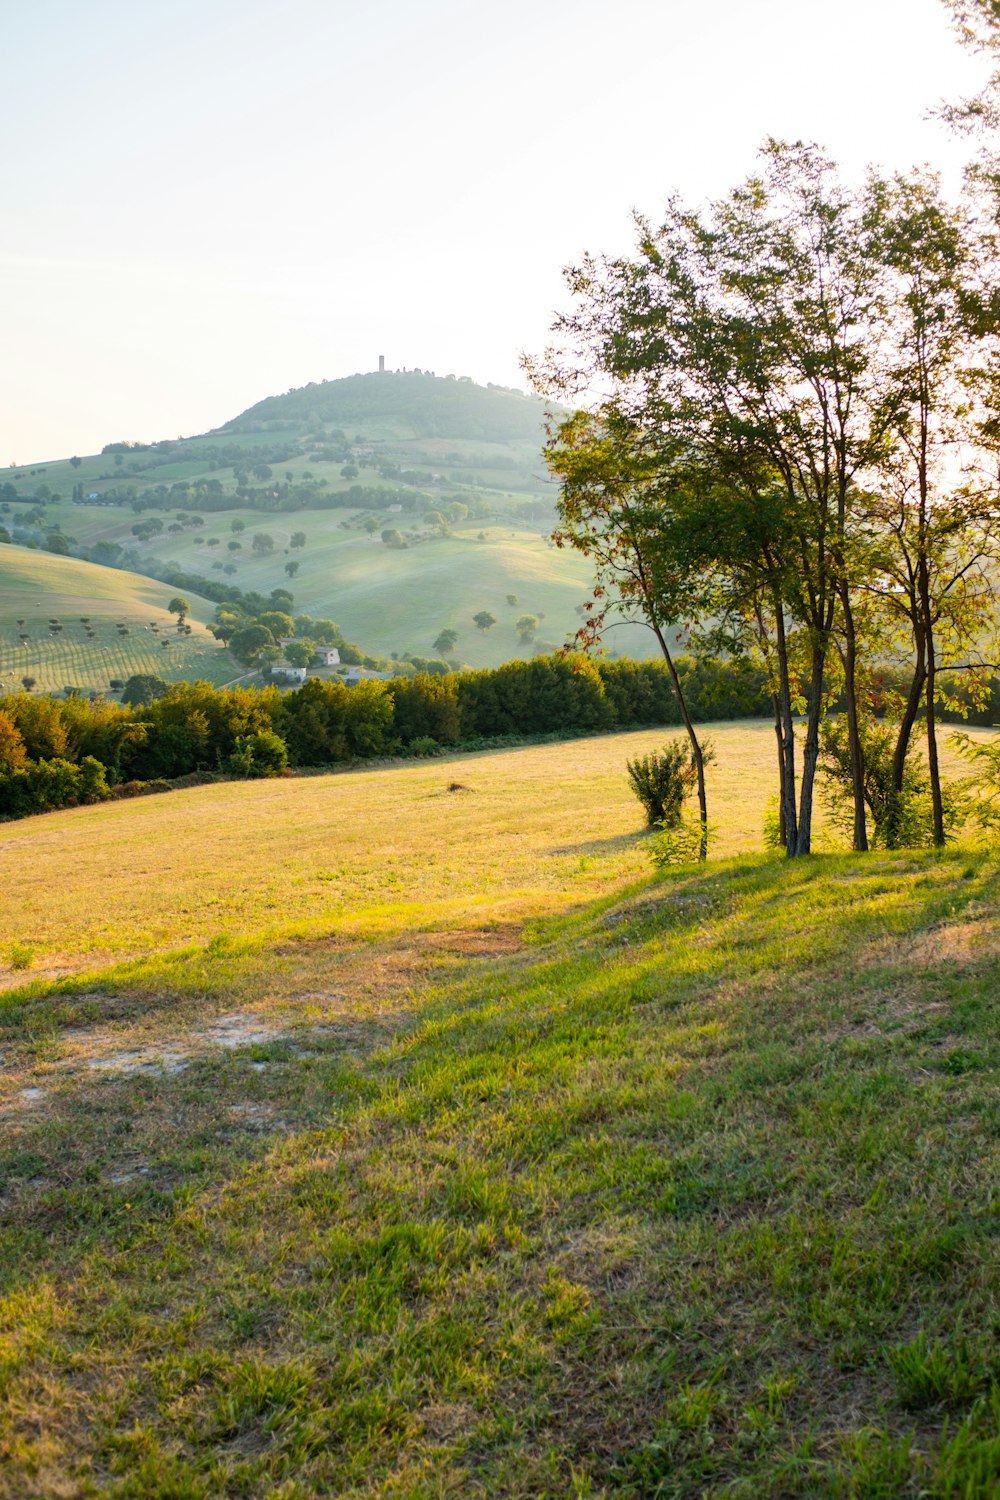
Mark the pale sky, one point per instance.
(206, 202)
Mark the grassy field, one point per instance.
(513, 1171)
(37, 587)
(373, 852)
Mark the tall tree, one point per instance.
(746, 340)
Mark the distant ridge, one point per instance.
(400, 404)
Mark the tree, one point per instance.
(237, 525)
(297, 539)
(28, 683)
(618, 507)
(745, 345)
(392, 538)
(277, 622)
(446, 642)
(526, 627)
(291, 568)
(249, 643)
(484, 620)
(75, 461)
(143, 688)
(299, 653)
(263, 542)
(180, 607)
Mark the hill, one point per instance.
(451, 1153)
(69, 623)
(402, 405)
(299, 491)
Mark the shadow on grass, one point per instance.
(633, 1147)
(613, 845)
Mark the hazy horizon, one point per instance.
(209, 205)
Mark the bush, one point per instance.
(680, 844)
(900, 820)
(661, 781)
(260, 754)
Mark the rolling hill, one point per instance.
(66, 623)
(450, 470)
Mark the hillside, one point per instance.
(298, 491)
(402, 405)
(69, 623)
(429, 1146)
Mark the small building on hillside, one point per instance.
(288, 674)
(328, 656)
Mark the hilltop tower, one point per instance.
(381, 364)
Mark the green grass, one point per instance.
(37, 587)
(580, 1184)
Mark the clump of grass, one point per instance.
(21, 955)
(933, 1374)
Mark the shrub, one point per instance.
(900, 820)
(662, 779)
(260, 754)
(21, 956)
(680, 844)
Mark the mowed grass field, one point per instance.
(375, 851)
(39, 587)
(459, 1155)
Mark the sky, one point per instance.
(211, 201)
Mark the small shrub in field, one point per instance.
(680, 844)
(772, 825)
(21, 956)
(662, 779)
(424, 745)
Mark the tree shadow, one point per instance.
(615, 845)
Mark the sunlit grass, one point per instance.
(376, 851)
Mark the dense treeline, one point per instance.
(61, 752)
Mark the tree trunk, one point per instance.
(932, 750)
(786, 783)
(810, 750)
(853, 726)
(914, 698)
(698, 758)
(782, 828)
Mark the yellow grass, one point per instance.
(370, 852)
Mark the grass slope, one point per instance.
(36, 587)
(692, 1193)
(446, 439)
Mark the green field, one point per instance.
(38, 587)
(419, 1142)
(445, 441)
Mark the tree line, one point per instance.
(60, 752)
